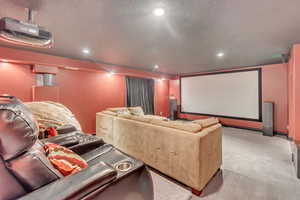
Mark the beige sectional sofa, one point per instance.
(190, 152)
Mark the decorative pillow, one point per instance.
(123, 112)
(64, 159)
(136, 111)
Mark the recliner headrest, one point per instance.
(18, 128)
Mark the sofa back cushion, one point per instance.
(108, 112)
(136, 118)
(156, 117)
(184, 126)
(138, 111)
(207, 122)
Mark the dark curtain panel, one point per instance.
(140, 92)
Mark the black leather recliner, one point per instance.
(26, 173)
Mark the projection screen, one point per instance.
(235, 94)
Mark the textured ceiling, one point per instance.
(186, 39)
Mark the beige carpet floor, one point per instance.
(254, 167)
(165, 189)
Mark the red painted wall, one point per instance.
(17, 80)
(85, 92)
(161, 99)
(274, 88)
(294, 93)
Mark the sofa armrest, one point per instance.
(104, 127)
(76, 186)
(210, 153)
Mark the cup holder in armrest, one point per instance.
(124, 166)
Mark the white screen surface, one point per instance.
(234, 94)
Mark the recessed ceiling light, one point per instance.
(109, 74)
(86, 51)
(158, 12)
(220, 54)
(156, 66)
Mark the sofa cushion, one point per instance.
(136, 110)
(126, 116)
(120, 110)
(136, 118)
(109, 112)
(207, 122)
(64, 159)
(184, 126)
(156, 117)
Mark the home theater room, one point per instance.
(149, 100)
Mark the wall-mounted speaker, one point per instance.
(268, 118)
(173, 108)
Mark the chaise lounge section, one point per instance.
(190, 152)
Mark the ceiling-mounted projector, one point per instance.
(25, 33)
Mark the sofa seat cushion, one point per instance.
(207, 122)
(184, 126)
(64, 159)
(138, 111)
(119, 111)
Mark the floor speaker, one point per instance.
(268, 119)
(173, 109)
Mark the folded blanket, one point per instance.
(52, 114)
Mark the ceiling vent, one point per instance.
(25, 33)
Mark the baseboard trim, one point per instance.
(281, 134)
(296, 157)
(255, 129)
(242, 127)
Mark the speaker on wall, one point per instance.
(173, 108)
(268, 119)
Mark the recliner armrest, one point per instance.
(65, 129)
(67, 139)
(76, 186)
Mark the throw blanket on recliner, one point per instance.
(49, 114)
